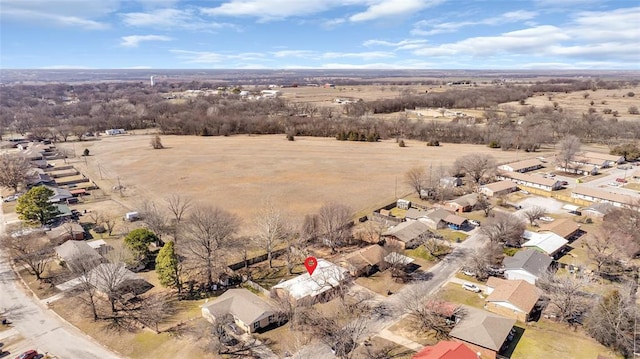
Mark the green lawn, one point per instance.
(451, 235)
(548, 339)
(453, 292)
(422, 253)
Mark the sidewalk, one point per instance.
(386, 334)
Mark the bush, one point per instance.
(85, 152)
(494, 144)
(630, 94)
(510, 251)
(156, 142)
(401, 143)
(434, 143)
(633, 110)
(290, 137)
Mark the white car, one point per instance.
(474, 222)
(546, 219)
(471, 287)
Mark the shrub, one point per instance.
(156, 142)
(434, 143)
(85, 152)
(494, 144)
(401, 143)
(630, 94)
(290, 137)
(633, 110)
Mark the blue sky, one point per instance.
(280, 34)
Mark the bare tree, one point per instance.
(109, 223)
(154, 218)
(156, 142)
(534, 213)
(109, 278)
(611, 321)
(82, 267)
(483, 204)
(567, 149)
(32, 250)
(416, 179)
(478, 166)
(604, 249)
(334, 224)
(566, 294)
(13, 171)
(209, 233)
(272, 229)
(428, 314)
(155, 309)
(179, 206)
(504, 228)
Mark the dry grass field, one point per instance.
(239, 173)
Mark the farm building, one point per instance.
(511, 298)
(115, 131)
(528, 264)
(405, 235)
(482, 331)
(450, 181)
(539, 182)
(522, 166)
(601, 196)
(249, 311)
(306, 289)
(499, 188)
(547, 242)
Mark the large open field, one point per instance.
(240, 172)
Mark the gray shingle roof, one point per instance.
(242, 304)
(482, 328)
(530, 260)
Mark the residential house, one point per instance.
(415, 213)
(455, 222)
(463, 204)
(533, 181)
(307, 289)
(527, 264)
(548, 243)
(446, 350)
(511, 298)
(499, 188)
(406, 235)
(365, 261)
(597, 195)
(250, 312)
(64, 212)
(450, 182)
(598, 210)
(482, 331)
(115, 279)
(37, 177)
(581, 169)
(78, 256)
(522, 166)
(59, 195)
(66, 232)
(435, 218)
(564, 227)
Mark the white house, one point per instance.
(307, 288)
(547, 242)
(596, 195)
(498, 188)
(528, 264)
(115, 131)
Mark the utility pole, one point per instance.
(119, 186)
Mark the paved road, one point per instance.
(378, 326)
(40, 328)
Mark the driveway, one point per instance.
(39, 327)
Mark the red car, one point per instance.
(29, 354)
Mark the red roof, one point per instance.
(446, 350)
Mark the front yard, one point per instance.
(380, 282)
(549, 339)
(453, 292)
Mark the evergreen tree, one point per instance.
(167, 266)
(138, 242)
(34, 206)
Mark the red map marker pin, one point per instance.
(310, 263)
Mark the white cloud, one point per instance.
(367, 55)
(187, 19)
(387, 8)
(209, 57)
(73, 13)
(65, 67)
(528, 41)
(294, 53)
(410, 44)
(269, 10)
(135, 40)
(429, 27)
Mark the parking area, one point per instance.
(551, 205)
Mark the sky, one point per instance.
(331, 34)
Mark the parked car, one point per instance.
(474, 222)
(468, 273)
(547, 219)
(11, 198)
(29, 354)
(524, 192)
(564, 183)
(471, 287)
(577, 213)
